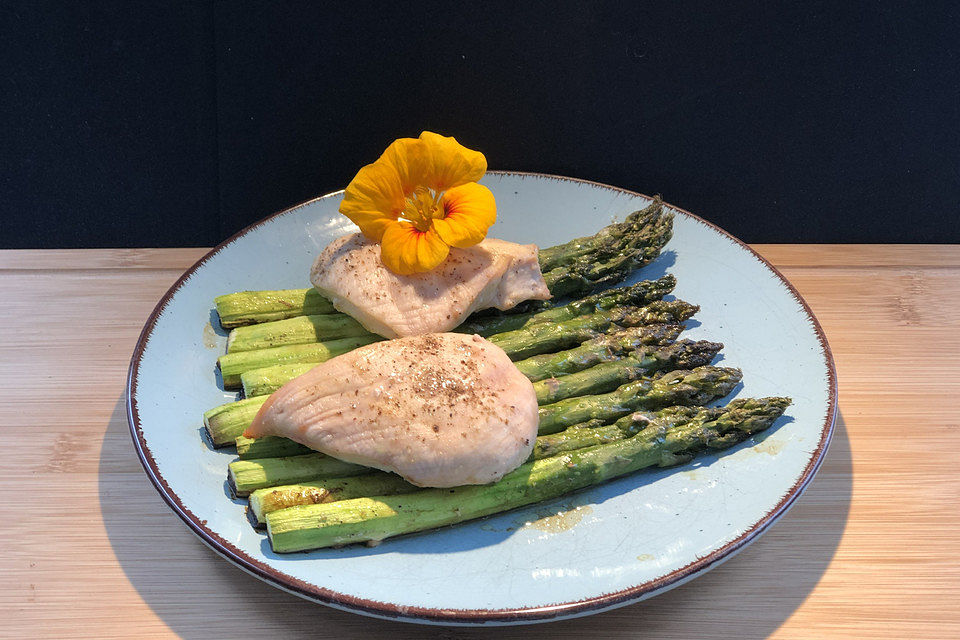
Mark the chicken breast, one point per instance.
(441, 410)
(494, 273)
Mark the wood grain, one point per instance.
(868, 552)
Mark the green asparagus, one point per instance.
(226, 423)
(552, 336)
(378, 483)
(696, 387)
(604, 348)
(314, 526)
(639, 294)
(258, 382)
(639, 229)
(581, 436)
(519, 344)
(298, 330)
(676, 388)
(607, 376)
(318, 328)
(245, 476)
(588, 268)
(247, 307)
(233, 364)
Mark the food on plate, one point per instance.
(316, 328)
(372, 519)
(677, 388)
(225, 422)
(440, 410)
(581, 436)
(492, 273)
(520, 343)
(435, 375)
(682, 355)
(628, 245)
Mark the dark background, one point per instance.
(176, 124)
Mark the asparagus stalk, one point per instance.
(233, 364)
(316, 328)
(603, 348)
(258, 382)
(225, 424)
(640, 228)
(596, 379)
(581, 436)
(696, 387)
(247, 307)
(677, 388)
(377, 483)
(519, 344)
(552, 336)
(298, 330)
(228, 421)
(587, 268)
(639, 294)
(245, 476)
(607, 376)
(315, 526)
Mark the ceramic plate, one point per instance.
(599, 549)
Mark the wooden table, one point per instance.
(871, 549)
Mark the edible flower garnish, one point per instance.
(420, 198)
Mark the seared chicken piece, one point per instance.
(494, 273)
(441, 410)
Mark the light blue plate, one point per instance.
(602, 548)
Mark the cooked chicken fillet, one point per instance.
(441, 410)
(494, 273)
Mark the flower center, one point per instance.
(421, 207)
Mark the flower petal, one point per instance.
(406, 157)
(404, 249)
(446, 163)
(373, 199)
(469, 211)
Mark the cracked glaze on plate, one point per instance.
(598, 549)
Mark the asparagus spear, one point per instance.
(317, 328)
(607, 376)
(258, 382)
(581, 436)
(552, 336)
(519, 344)
(639, 229)
(585, 270)
(378, 483)
(247, 307)
(298, 330)
(246, 475)
(677, 388)
(696, 387)
(226, 423)
(233, 364)
(315, 526)
(639, 294)
(597, 379)
(604, 348)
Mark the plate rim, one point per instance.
(470, 616)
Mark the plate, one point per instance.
(598, 549)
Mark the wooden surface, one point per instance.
(871, 550)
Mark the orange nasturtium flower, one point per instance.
(420, 198)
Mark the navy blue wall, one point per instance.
(176, 124)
